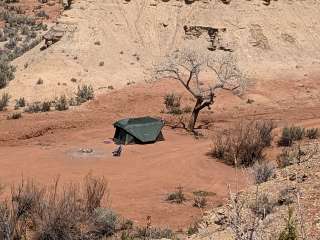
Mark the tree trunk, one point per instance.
(197, 108)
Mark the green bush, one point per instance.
(84, 94)
(4, 100)
(312, 133)
(61, 104)
(38, 107)
(290, 231)
(6, 73)
(21, 102)
(291, 134)
(192, 229)
(177, 196)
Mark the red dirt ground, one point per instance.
(45, 145)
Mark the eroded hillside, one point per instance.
(114, 43)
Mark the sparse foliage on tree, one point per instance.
(192, 69)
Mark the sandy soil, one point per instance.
(45, 145)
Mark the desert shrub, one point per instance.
(45, 106)
(154, 233)
(312, 133)
(286, 158)
(42, 14)
(125, 224)
(11, 44)
(60, 217)
(262, 171)
(6, 73)
(176, 111)
(39, 81)
(73, 102)
(244, 145)
(6, 223)
(287, 196)
(290, 156)
(291, 134)
(4, 100)
(61, 104)
(200, 201)
(263, 206)
(172, 103)
(202, 193)
(290, 231)
(38, 107)
(177, 196)
(193, 229)
(84, 94)
(264, 129)
(105, 221)
(15, 115)
(26, 197)
(94, 190)
(21, 102)
(52, 213)
(25, 30)
(187, 109)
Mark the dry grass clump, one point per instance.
(6, 72)
(288, 157)
(177, 196)
(200, 201)
(4, 100)
(38, 107)
(290, 231)
(262, 206)
(243, 145)
(291, 134)
(51, 212)
(312, 133)
(20, 102)
(262, 171)
(61, 104)
(172, 102)
(154, 233)
(84, 93)
(14, 116)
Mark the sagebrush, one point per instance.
(244, 144)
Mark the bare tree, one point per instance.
(185, 66)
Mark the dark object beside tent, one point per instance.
(138, 130)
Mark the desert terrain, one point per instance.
(112, 46)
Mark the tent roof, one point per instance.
(145, 129)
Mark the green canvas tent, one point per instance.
(138, 130)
